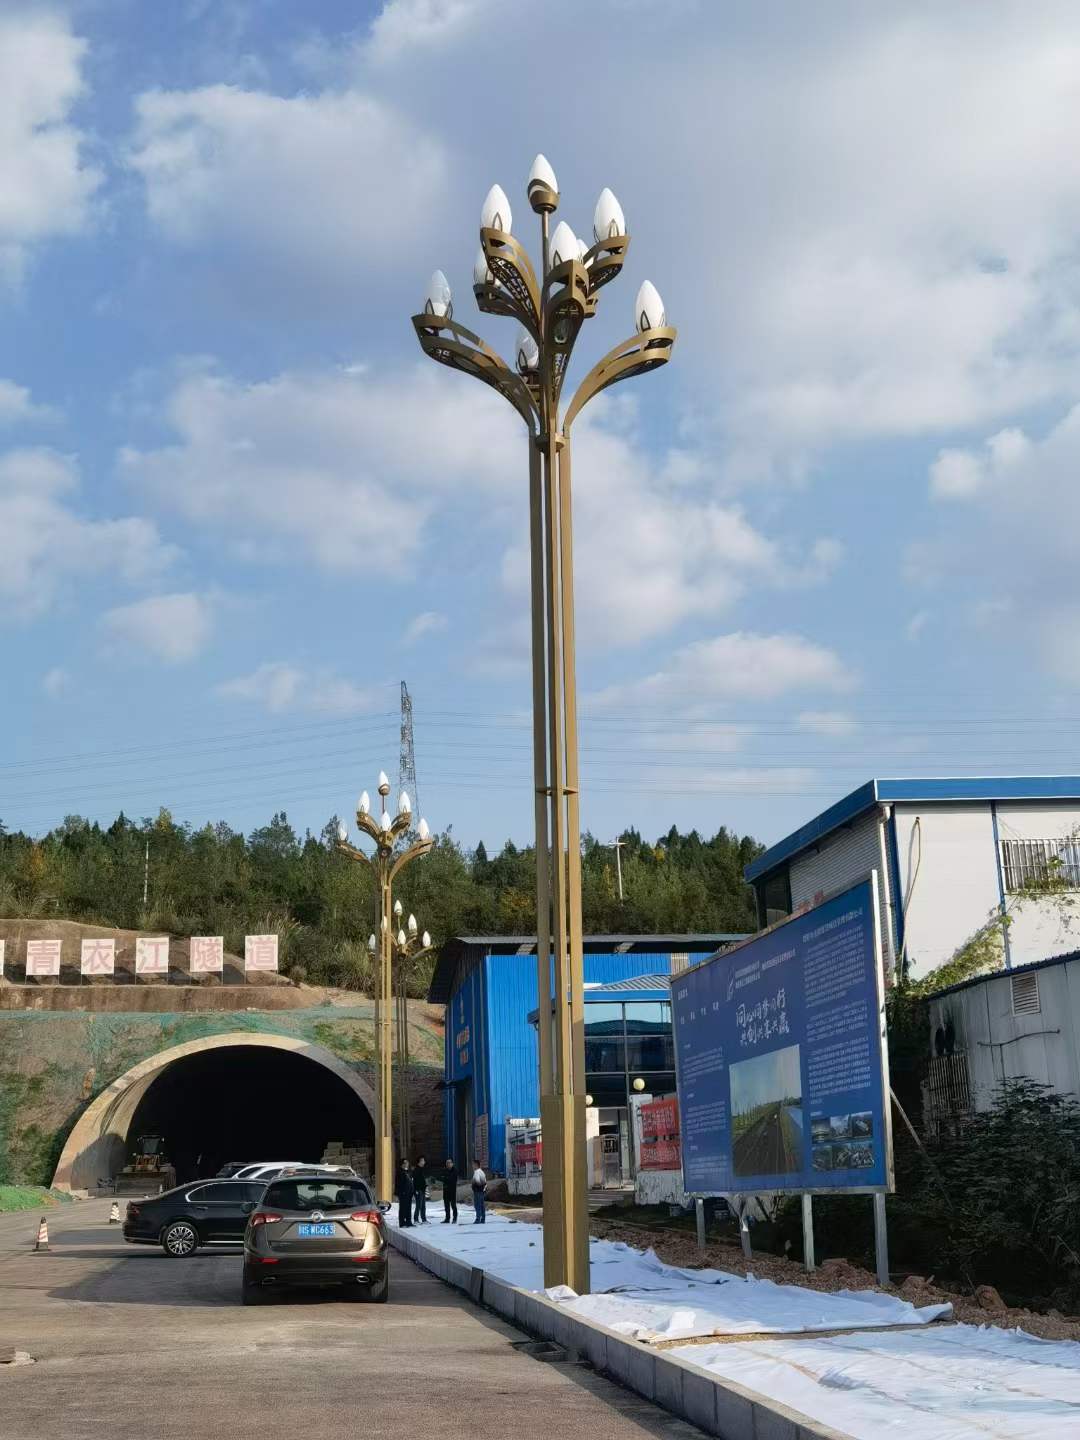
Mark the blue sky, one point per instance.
(836, 537)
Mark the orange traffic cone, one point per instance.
(114, 1213)
(42, 1235)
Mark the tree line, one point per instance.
(216, 881)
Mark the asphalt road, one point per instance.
(130, 1345)
(770, 1147)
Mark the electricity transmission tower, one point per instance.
(407, 767)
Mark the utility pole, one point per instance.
(618, 864)
(146, 874)
(407, 766)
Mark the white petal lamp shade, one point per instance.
(412, 924)
(583, 250)
(399, 909)
(423, 831)
(481, 275)
(404, 804)
(542, 174)
(608, 218)
(401, 939)
(563, 245)
(495, 214)
(363, 805)
(371, 943)
(528, 352)
(384, 783)
(649, 308)
(385, 822)
(439, 299)
(425, 939)
(342, 831)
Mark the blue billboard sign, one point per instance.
(780, 1057)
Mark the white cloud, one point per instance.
(835, 724)
(732, 667)
(653, 547)
(429, 622)
(342, 468)
(955, 475)
(45, 185)
(55, 682)
(917, 624)
(278, 686)
(174, 628)
(17, 408)
(48, 547)
(316, 186)
(893, 207)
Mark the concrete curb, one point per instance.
(719, 1407)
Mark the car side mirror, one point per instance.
(247, 1207)
(384, 1206)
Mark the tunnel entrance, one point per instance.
(222, 1097)
(247, 1103)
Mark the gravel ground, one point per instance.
(682, 1250)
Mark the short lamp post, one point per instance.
(408, 947)
(550, 309)
(389, 859)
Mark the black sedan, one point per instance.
(316, 1230)
(204, 1212)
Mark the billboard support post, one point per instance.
(808, 1233)
(881, 1238)
(744, 1231)
(699, 1215)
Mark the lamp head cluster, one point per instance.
(550, 308)
(385, 829)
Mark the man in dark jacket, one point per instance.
(449, 1191)
(419, 1182)
(403, 1189)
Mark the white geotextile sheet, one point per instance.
(951, 1382)
(636, 1294)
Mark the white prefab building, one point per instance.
(949, 855)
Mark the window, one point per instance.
(224, 1192)
(328, 1193)
(1025, 993)
(649, 1041)
(607, 1091)
(605, 1046)
(774, 897)
(1040, 865)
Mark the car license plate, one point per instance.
(312, 1232)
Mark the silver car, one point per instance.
(311, 1231)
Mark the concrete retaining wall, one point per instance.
(718, 1407)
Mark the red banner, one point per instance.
(527, 1153)
(660, 1145)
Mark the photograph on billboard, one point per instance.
(779, 1057)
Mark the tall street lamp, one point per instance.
(408, 948)
(550, 312)
(386, 863)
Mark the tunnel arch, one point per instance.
(98, 1144)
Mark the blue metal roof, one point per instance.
(999, 787)
(634, 987)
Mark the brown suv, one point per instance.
(316, 1230)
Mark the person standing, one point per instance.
(403, 1189)
(449, 1191)
(419, 1184)
(479, 1187)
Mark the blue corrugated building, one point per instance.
(488, 985)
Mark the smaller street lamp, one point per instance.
(393, 851)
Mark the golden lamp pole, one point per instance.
(386, 863)
(408, 948)
(551, 310)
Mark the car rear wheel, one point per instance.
(379, 1294)
(179, 1240)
